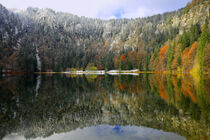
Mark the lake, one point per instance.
(105, 107)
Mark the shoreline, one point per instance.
(98, 72)
(118, 72)
(111, 72)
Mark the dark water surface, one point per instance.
(120, 107)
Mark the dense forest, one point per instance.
(45, 40)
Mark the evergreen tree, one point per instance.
(179, 60)
(130, 66)
(170, 55)
(194, 33)
(204, 40)
(184, 40)
(140, 66)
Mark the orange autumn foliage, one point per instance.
(123, 57)
(122, 87)
(193, 97)
(161, 64)
(188, 57)
(188, 93)
(185, 52)
(184, 92)
(193, 47)
(188, 51)
(131, 53)
(163, 50)
(163, 94)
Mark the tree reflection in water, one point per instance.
(178, 104)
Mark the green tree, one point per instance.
(91, 66)
(179, 60)
(194, 33)
(184, 40)
(140, 66)
(186, 9)
(204, 40)
(130, 66)
(147, 63)
(122, 66)
(170, 55)
(156, 52)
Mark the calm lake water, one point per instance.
(91, 107)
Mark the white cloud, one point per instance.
(141, 12)
(101, 8)
(89, 8)
(111, 17)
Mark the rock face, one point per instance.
(194, 16)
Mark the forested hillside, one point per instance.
(175, 41)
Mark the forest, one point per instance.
(175, 42)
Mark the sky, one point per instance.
(104, 9)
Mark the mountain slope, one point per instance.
(64, 40)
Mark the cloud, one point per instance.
(141, 12)
(104, 9)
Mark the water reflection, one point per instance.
(35, 107)
(107, 132)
